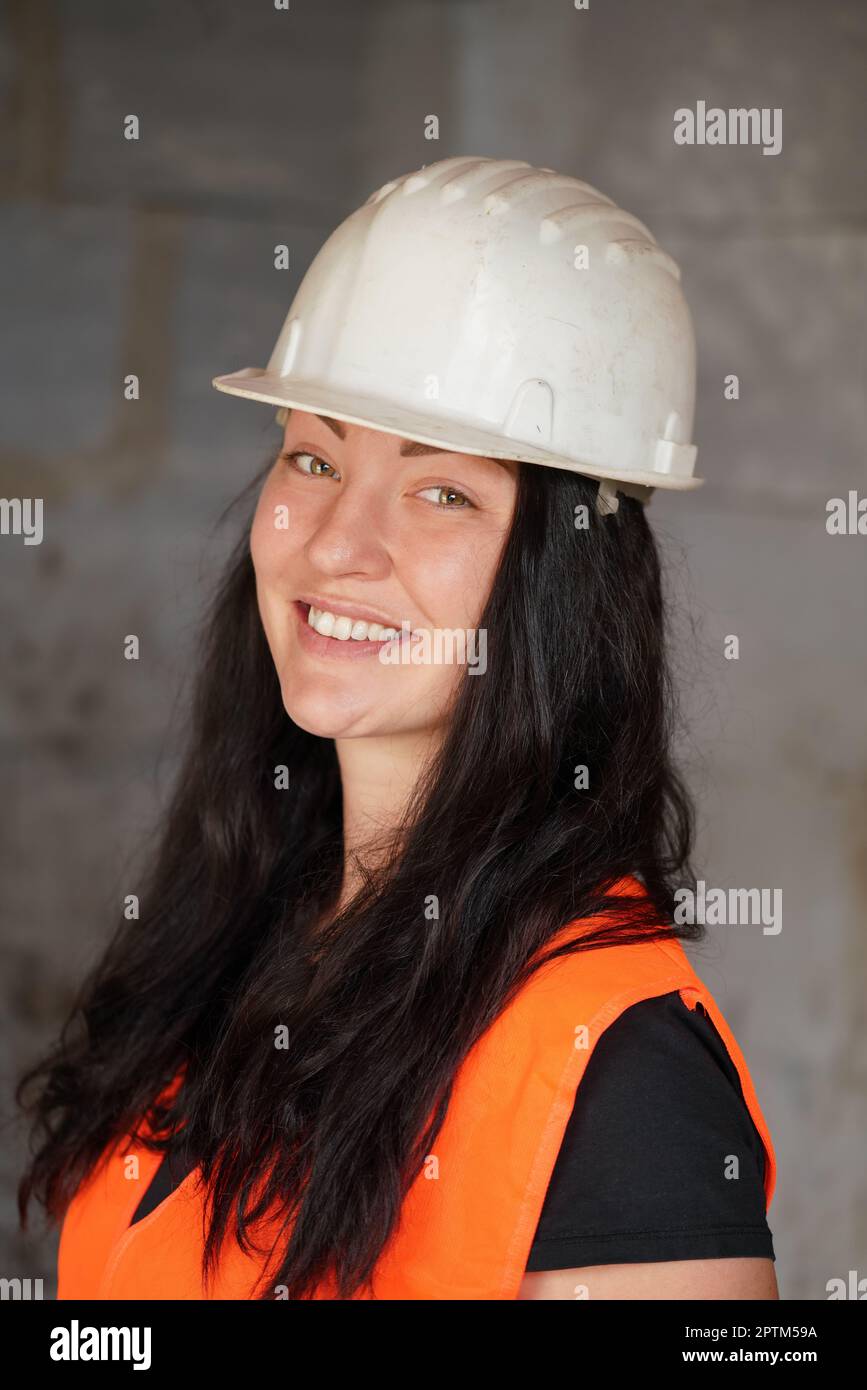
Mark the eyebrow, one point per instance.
(408, 447)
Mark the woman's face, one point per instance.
(374, 529)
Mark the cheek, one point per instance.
(270, 539)
(452, 580)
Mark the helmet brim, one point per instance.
(454, 435)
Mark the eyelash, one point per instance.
(443, 487)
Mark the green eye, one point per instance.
(446, 498)
(317, 466)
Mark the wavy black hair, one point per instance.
(382, 1004)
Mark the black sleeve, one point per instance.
(641, 1172)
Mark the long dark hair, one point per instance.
(379, 1017)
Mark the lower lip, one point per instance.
(313, 641)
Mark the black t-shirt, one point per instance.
(641, 1171)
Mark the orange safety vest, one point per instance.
(468, 1221)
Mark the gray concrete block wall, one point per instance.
(261, 127)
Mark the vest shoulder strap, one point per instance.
(468, 1222)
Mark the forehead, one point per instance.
(408, 447)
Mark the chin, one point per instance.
(321, 727)
(342, 714)
(328, 714)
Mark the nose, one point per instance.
(349, 537)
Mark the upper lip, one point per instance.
(345, 608)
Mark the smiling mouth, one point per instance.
(342, 628)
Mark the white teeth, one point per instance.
(343, 628)
(324, 623)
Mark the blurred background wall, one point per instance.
(156, 256)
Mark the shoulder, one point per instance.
(662, 1039)
(661, 1059)
(660, 1158)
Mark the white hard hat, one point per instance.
(490, 307)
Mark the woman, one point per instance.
(406, 1007)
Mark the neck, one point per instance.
(378, 776)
